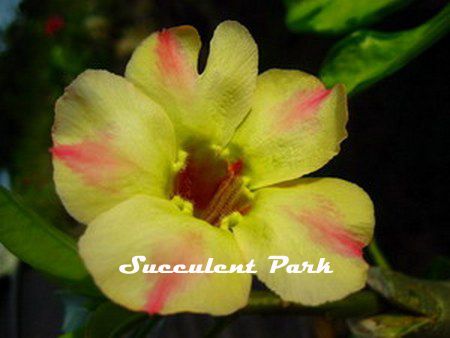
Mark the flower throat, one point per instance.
(213, 184)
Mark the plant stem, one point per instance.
(362, 303)
(377, 255)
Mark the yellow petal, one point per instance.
(306, 221)
(110, 142)
(227, 85)
(207, 106)
(164, 66)
(157, 229)
(294, 128)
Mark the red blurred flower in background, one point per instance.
(53, 25)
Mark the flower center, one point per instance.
(213, 184)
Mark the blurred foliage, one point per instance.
(363, 57)
(37, 242)
(51, 43)
(337, 16)
(87, 317)
(111, 320)
(389, 326)
(366, 57)
(77, 310)
(425, 305)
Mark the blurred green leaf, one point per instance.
(37, 243)
(337, 16)
(77, 310)
(44, 64)
(387, 326)
(426, 305)
(111, 320)
(366, 57)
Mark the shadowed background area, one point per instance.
(397, 148)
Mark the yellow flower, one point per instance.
(180, 167)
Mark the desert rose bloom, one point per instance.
(179, 166)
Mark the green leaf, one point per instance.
(77, 310)
(426, 306)
(389, 326)
(366, 57)
(337, 16)
(111, 320)
(37, 243)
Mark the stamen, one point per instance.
(223, 201)
(213, 185)
(184, 206)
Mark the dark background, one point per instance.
(397, 149)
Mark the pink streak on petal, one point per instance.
(187, 250)
(161, 292)
(168, 54)
(331, 233)
(325, 226)
(303, 106)
(96, 162)
(171, 61)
